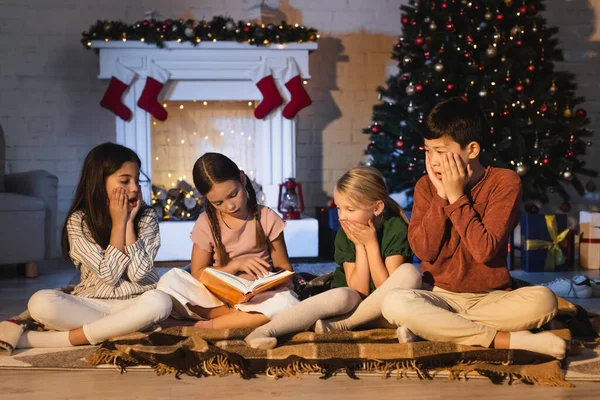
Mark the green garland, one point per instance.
(219, 28)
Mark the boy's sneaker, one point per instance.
(595, 287)
(579, 287)
(594, 283)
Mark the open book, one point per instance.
(235, 290)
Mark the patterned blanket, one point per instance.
(204, 352)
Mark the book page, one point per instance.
(272, 276)
(243, 285)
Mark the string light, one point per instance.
(249, 104)
(205, 103)
(181, 107)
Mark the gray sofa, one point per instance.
(28, 206)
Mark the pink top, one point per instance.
(239, 242)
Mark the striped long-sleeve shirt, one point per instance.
(110, 273)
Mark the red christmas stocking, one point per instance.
(299, 97)
(149, 99)
(113, 97)
(271, 97)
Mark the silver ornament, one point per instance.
(410, 108)
(189, 32)
(439, 67)
(367, 160)
(230, 25)
(410, 90)
(189, 203)
(522, 169)
(407, 60)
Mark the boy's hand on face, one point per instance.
(455, 176)
(437, 182)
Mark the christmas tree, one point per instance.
(500, 54)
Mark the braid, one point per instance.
(261, 240)
(215, 227)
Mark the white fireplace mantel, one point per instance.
(212, 71)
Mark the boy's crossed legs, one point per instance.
(499, 319)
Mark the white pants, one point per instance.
(101, 319)
(469, 318)
(185, 290)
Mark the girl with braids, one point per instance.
(237, 236)
(372, 253)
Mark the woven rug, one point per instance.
(201, 353)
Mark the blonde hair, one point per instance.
(366, 186)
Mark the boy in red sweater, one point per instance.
(463, 214)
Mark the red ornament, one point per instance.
(371, 145)
(246, 29)
(519, 42)
(544, 108)
(531, 8)
(531, 67)
(418, 87)
(565, 207)
(450, 86)
(405, 20)
(523, 10)
(399, 144)
(507, 79)
(532, 209)
(499, 17)
(467, 54)
(427, 55)
(419, 40)
(569, 154)
(481, 67)
(375, 129)
(444, 5)
(145, 23)
(581, 113)
(546, 161)
(449, 26)
(405, 78)
(519, 88)
(505, 113)
(398, 45)
(413, 22)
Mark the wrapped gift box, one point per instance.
(589, 240)
(546, 243)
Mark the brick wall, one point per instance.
(49, 92)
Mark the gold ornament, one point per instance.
(567, 175)
(567, 113)
(514, 30)
(432, 26)
(410, 90)
(488, 15)
(482, 93)
(508, 3)
(553, 88)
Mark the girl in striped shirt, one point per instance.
(112, 237)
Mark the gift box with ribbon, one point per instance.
(589, 240)
(546, 243)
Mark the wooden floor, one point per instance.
(110, 384)
(50, 385)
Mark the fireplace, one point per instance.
(203, 79)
